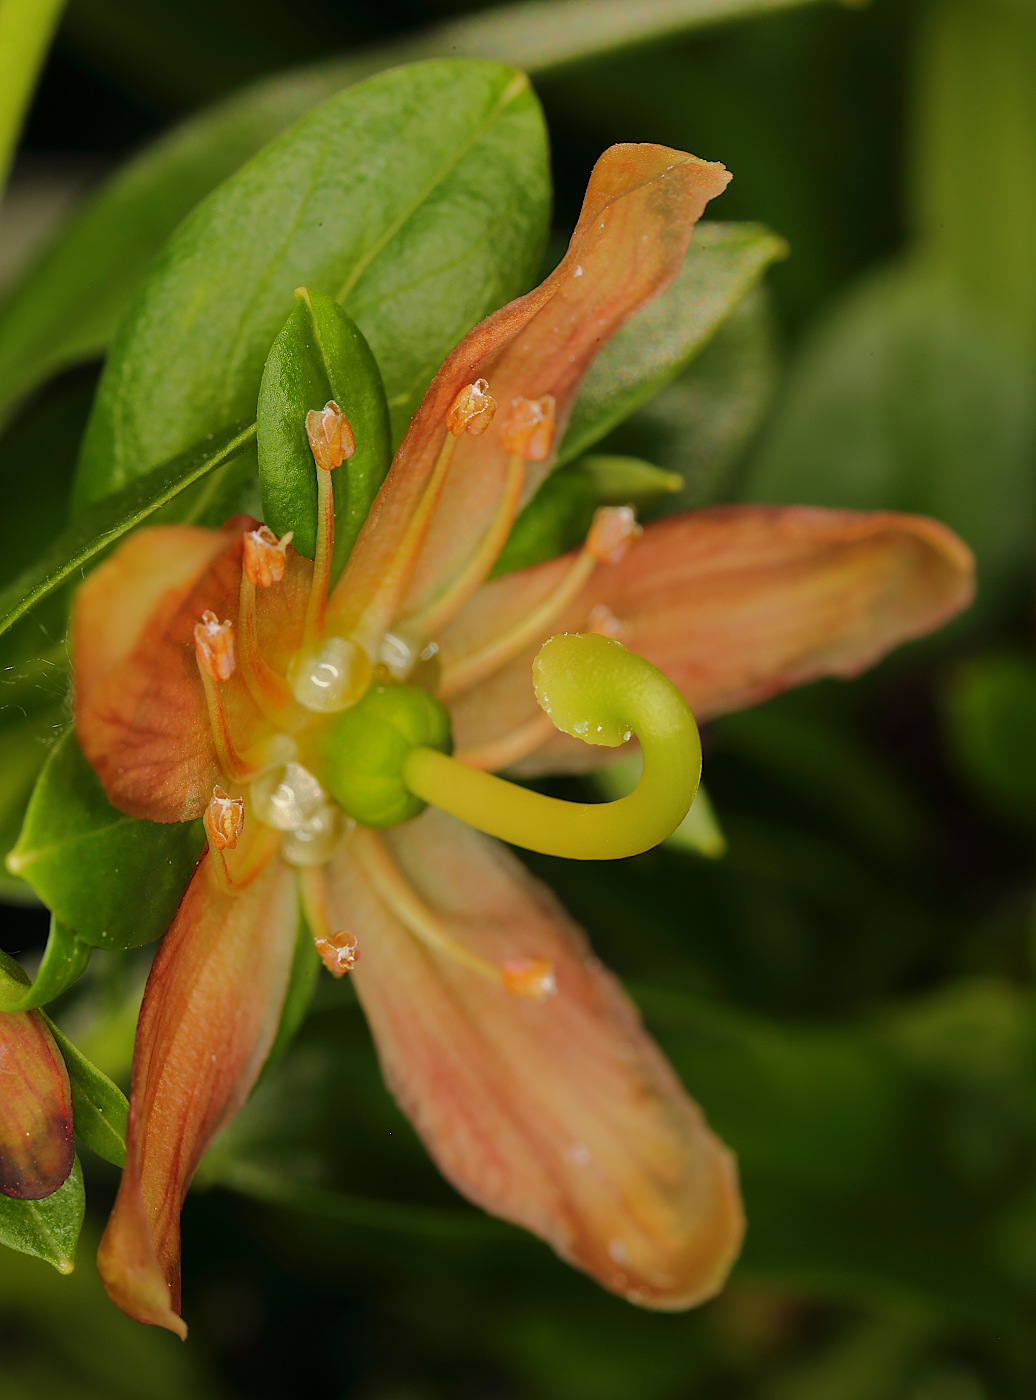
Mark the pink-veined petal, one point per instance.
(210, 1013)
(140, 710)
(734, 604)
(561, 1115)
(36, 1149)
(638, 214)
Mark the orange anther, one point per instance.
(214, 646)
(338, 952)
(529, 431)
(529, 977)
(612, 531)
(472, 410)
(265, 556)
(224, 819)
(330, 437)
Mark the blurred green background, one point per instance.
(849, 990)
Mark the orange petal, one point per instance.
(734, 604)
(641, 205)
(140, 708)
(210, 1012)
(560, 1114)
(36, 1150)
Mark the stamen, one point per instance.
(529, 431)
(338, 950)
(266, 556)
(612, 530)
(269, 690)
(214, 652)
(224, 819)
(331, 442)
(214, 646)
(530, 977)
(250, 860)
(467, 414)
(509, 748)
(472, 410)
(449, 603)
(402, 899)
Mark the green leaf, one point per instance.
(302, 982)
(318, 356)
(64, 961)
(907, 398)
(48, 1229)
(419, 199)
(68, 308)
(25, 742)
(99, 1108)
(723, 263)
(115, 879)
(628, 481)
(104, 523)
(26, 27)
(989, 711)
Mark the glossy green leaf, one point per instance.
(989, 712)
(25, 741)
(26, 27)
(107, 521)
(69, 306)
(723, 263)
(99, 1108)
(369, 197)
(320, 355)
(64, 961)
(48, 1229)
(907, 398)
(115, 879)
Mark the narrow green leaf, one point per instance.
(64, 961)
(628, 481)
(102, 524)
(302, 982)
(26, 27)
(69, 306)
(25, 742)
(369, 196)
(723, 264)
(320, 355)
(99, 1108)
(115, 879)
(47, 1229)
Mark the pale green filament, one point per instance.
(597, 691)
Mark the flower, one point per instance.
(215, 677)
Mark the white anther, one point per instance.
(396, 655)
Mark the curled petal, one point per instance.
(734, 604)
(641, 205)
(36, 1149)
(140, 709)
(560, 1113)
(210, 1013)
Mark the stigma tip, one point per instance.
(224, 819)
(529, 431)
(214, 646)
(338, 952)
(472, 410)
(330, 437)
(265, 557)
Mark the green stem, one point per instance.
(597, 691)
(26, 27)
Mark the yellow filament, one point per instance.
(269, 690)
(475, 667)
(427, 622)
(317, 605)
(396, 891)
(236, 768)
(385, 603)
(509, 748)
